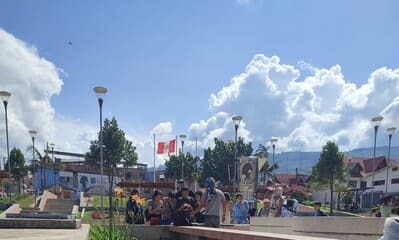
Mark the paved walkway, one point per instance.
(46, 234)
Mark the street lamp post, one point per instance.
(182, 138)
(390, 131)
(376, 121)
(100, 92)
(33, 133)
(5, 96)
(273, 141)
(54, 172)
(236, 120)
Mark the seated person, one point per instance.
(289, 208)
(317, 212)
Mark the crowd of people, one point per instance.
(211, 207)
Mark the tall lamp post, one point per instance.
(182, 138)
(33, 134)
(376, 122)
(54, 172)
(390, 131)
(100, 92)
(236, 120)
(273, 141)
(5, 96)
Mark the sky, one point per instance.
(304, 72)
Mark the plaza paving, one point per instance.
(46, 234)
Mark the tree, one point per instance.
(191, 169)
(330, 169)
(115, 148)
(219, 161)
(341, 188)
(43, 161)
(18, 168)
(266, 169)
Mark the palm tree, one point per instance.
(43, 161)
(265, 170)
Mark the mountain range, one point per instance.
(302, 161)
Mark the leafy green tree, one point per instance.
(342, 189)
(115, 148)
(330, 169)
(219, 161)
(18, 168)
(191, 169)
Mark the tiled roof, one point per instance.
(379, 162)
(361, 167)
(290, 178)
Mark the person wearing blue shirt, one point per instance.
(240, 211)
(317, 212)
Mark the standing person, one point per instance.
(241, 209)
(387, 207)
(265, 210)
(169, 207)
(134, 209)
(316, 210)
(184, 209)
(181, 185)
(277, 202)
(155, 208)
(213, 200)
(229, 208)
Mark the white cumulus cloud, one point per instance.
(302, 113)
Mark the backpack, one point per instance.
(134, 212)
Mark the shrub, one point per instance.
(101, 232)
(300, 196)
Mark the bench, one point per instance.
(195, 232)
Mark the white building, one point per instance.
(369, 175)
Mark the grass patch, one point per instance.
(26, 202)
(97, 201)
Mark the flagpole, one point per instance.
(154, 164)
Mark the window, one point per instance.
(93, 180)
(379, 182)
(65, 179)
(352, 184)
(363, 184)
(394, 169)
(394, 180)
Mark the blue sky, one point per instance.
(161, 60)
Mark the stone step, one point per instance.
(59, 205)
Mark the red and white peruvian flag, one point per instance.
(166, 147)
